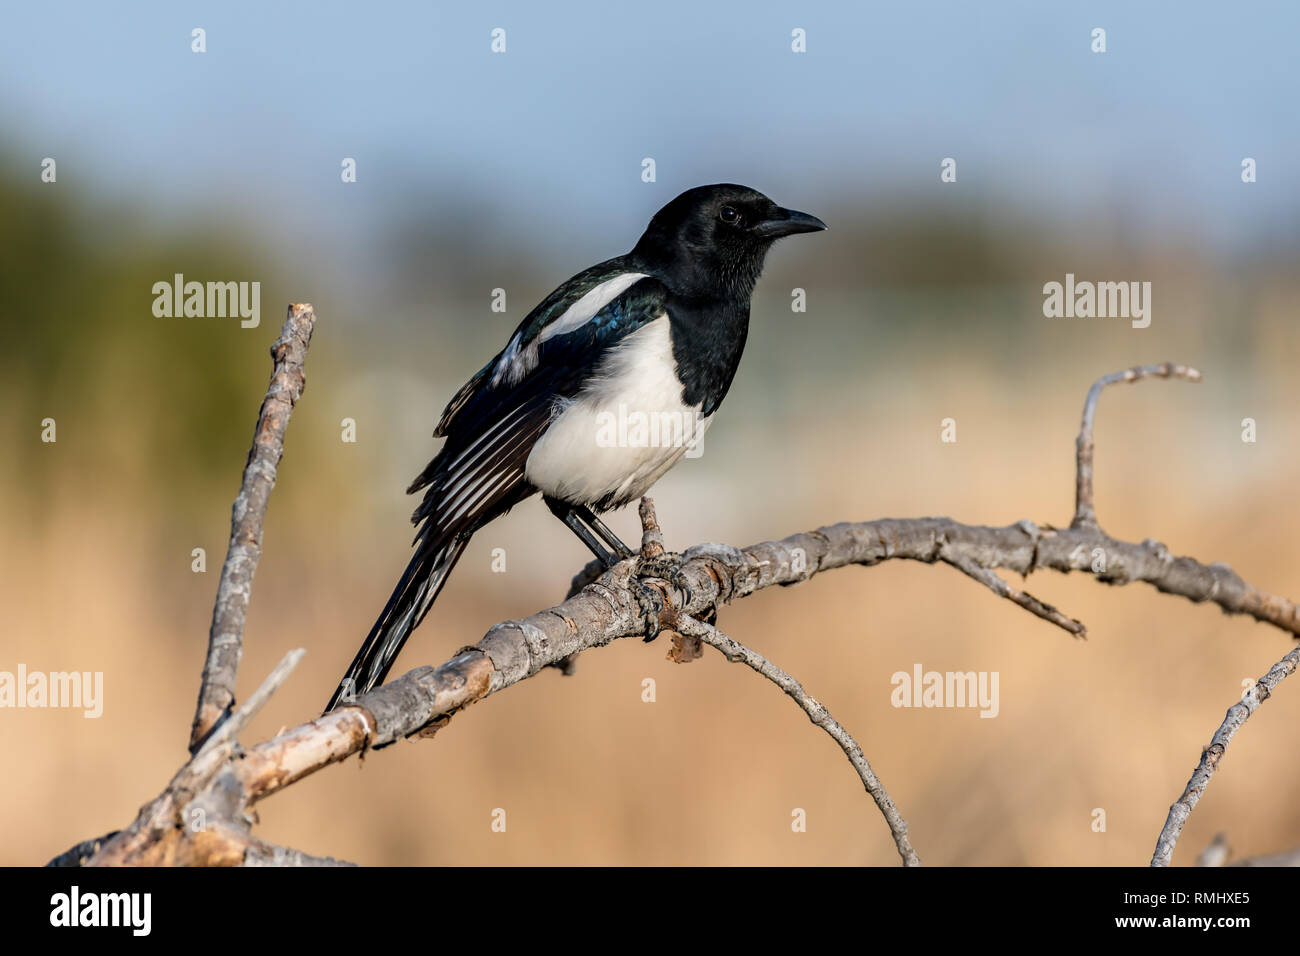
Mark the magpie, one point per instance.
(603, 387)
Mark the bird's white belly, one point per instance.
(623, 431)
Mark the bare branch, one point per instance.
(735, 652)
(201, 818)
(229, 729)
(246, 850)
(607, 610)
(226, 636)
(1018, 597)
(221, 781)
(1237, 715)
(1084, 513)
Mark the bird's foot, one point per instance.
(651, 603)
(666, 567)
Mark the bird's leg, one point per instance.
(656, 562)
(648, 599)
(664, 565)
(571, 516)
(601, 529)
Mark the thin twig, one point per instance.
(229, 728)
(736, 652)
(1016, 596)
(1237, 715)
(226, 635)
(1084, 512)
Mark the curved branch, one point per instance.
(1084, 512)
(1233, 721)
(735, 652)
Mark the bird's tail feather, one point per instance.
(414, 595)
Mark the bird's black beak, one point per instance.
(787, 222)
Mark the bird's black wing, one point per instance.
(490, 428)
(494, 420)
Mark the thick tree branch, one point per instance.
(226, 636)
(607, 610)
(201, 819)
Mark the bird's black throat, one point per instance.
(708, 338)
(708, 308)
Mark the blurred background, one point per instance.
(478, 170)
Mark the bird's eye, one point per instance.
(729, 215)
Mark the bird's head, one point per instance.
(711, 240)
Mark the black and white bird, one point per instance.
(652, 337)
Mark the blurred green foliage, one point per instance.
(171, 400)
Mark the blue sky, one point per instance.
(553, 131)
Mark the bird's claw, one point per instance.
(651, 603)
(666, 567)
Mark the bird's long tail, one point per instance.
(411, 600)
